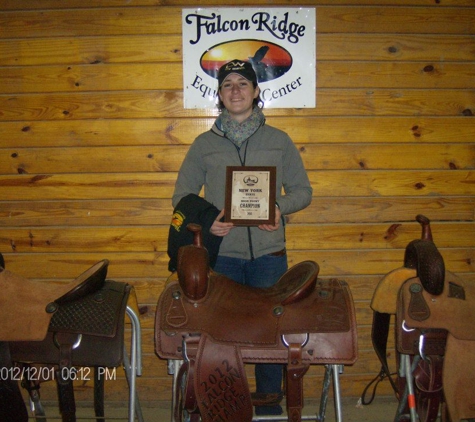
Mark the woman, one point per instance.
(254, 256)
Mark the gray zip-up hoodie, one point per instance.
(205, 165)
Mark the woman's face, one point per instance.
(237, 95)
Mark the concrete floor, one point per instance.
(382, 409)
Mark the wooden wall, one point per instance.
(93, 131)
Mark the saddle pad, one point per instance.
(454, 313)
(95, 314)
(23, 304)
(235, 314)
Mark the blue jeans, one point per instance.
(262, 272)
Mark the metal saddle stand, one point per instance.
(332, 373)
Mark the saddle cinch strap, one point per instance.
(297, 322)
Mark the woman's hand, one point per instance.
(269, 227)
(219, 228)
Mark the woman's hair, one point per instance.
(256, 103)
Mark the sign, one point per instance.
(250, 196)
(279, 43)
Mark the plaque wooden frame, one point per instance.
(250, 195)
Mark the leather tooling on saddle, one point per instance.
(435, 310)
(217, 325)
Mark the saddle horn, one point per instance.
(426, 230)
(422, 255)
(197, 235)
(193, 266)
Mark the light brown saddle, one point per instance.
(451, 313)
(434, 322)
(216, 325)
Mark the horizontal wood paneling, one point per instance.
(154, 238)
(57, 4)
(100, 50)
(308, 130)
(134, 76)
(140, 212)
(162, 158)
(93, 131)
(167, 20)
(161, 184)
(156, 104)
(136, 265)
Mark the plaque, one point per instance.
(250, 196)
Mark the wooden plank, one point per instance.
(169, 158)
(326, 183)
(167, 20)
(90, 50)
(391, 183)
(101, 50)
(376, 236)
(144, 76)
(334, 263)
(303, 130)
(156, 104)
(88, 22)
(392, 210)
(88, 186)
(359, 74)
(154, 265)
(107, 77)
(395, 20)
(299, 237)
(131, 212)
(392, 47)
(58, 4)
(394, 156)
(93, 160)
(137, 212)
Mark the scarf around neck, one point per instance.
(239, 132)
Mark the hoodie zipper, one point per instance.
(243, 163)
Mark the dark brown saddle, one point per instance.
(64, 326)
(217, 325)
(431, 307)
